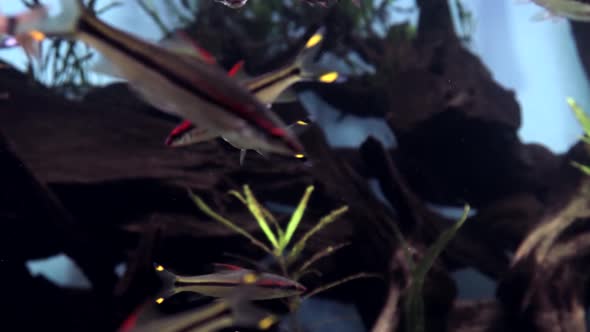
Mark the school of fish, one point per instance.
(171, 79)
(179, 77)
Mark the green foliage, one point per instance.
(584, 120)
(280, 238)
(465, 20)
(414, 305)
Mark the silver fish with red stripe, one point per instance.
(193, 90)
(224, 282)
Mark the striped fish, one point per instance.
(171, 82)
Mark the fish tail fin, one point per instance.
(300, 126)
(168, 280)
(31, 44)
(308, 69)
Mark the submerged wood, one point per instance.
(99, 184)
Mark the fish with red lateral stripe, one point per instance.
(225, 280)
(234, 309)
(171, 82)
(268, 88)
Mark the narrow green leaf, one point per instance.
(256, 211)
(415, 304)
(580, 115)
(239, 196)
(296, 218)
(303, 269)
(583, 168)
(267, 214)
(300, 245)
(207, 210)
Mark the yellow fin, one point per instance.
(329, 77)
(314, 40)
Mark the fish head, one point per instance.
(272, 286)
(262, 286)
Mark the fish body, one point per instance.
(223, 283)
(170, 81)
(213, 317)
(179, 42)
(575, 10)
(233, 310)
(267, 88)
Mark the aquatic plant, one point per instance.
(414, 304)
(465, 21)
(584, 120)
(280, 238)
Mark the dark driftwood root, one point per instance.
(94, 180)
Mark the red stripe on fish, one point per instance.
(228, 266)
(179, 131)
(130, 322)
(266, 124)
(235, 68)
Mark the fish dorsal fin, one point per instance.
(222, 267)
(243, 153)
(180, 43)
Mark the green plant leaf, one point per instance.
(300, 245)
(256, 211)
(329, 250)
(414, 306)
(583, 168)
(296, 218)
(267, 214)
(207, 210)
(583, 119)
